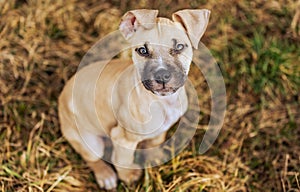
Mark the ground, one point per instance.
(255, 43)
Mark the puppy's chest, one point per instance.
(172, 114)
(151, 119)
(164, 118)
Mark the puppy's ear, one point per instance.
(194, 21)
(134, 19)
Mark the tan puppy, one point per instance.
(132, 101)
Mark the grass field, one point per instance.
(256, 44)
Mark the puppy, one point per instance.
(132, 101)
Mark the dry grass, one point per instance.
(42, 42)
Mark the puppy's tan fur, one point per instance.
(110, 100)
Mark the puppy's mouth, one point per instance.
(165, 92)
(161, 88)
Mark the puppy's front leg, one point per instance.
(159, 156)
(123, 155)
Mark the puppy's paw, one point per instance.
(130, 175)
(157, 158)
(106, 178)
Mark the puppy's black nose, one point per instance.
(162, 76)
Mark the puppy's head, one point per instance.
(163, 48)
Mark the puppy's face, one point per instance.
(162, 56)
(162, 48)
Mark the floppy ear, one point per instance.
(134, 19)
(194, 21)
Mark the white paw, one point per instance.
(106, 178)
(130, 175)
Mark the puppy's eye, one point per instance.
(143, 51)
(179, 47)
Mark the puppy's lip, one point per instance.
(160, 91)
(165, 91)
(147, 84)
